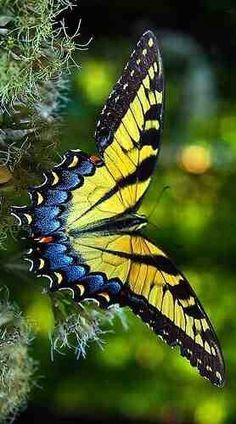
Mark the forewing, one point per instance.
(128, 132)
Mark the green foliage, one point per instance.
(34, 50)
(6, 227)
(16, 366)
(35, 58)
(77, 326)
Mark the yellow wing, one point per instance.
(156, 291)
(101, 188)
(128, 135)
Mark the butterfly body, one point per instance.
(85, 224)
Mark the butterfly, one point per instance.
(86, 231)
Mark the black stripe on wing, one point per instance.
(143, 171)
(143, 57)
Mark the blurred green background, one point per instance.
(136, 378)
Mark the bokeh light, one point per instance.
(195, 159)
(95, 79)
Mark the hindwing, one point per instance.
(156, 291)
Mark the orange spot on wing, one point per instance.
(46, 239)
(95, 159)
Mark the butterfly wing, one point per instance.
(128, 135)
(128, 132)
(83, 194)
(156, 291)
(93, 189)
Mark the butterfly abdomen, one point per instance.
(123, 224)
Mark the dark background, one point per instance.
(136, 378)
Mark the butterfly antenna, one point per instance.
(156, 203)
(153, 225)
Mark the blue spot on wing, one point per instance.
(86, 168)
(68, 180)
(56, 254)
(97, 283)
(113, 286)
(55, 197)
(45, 219)
(94, 282)
(49, 218)
(74, 273)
